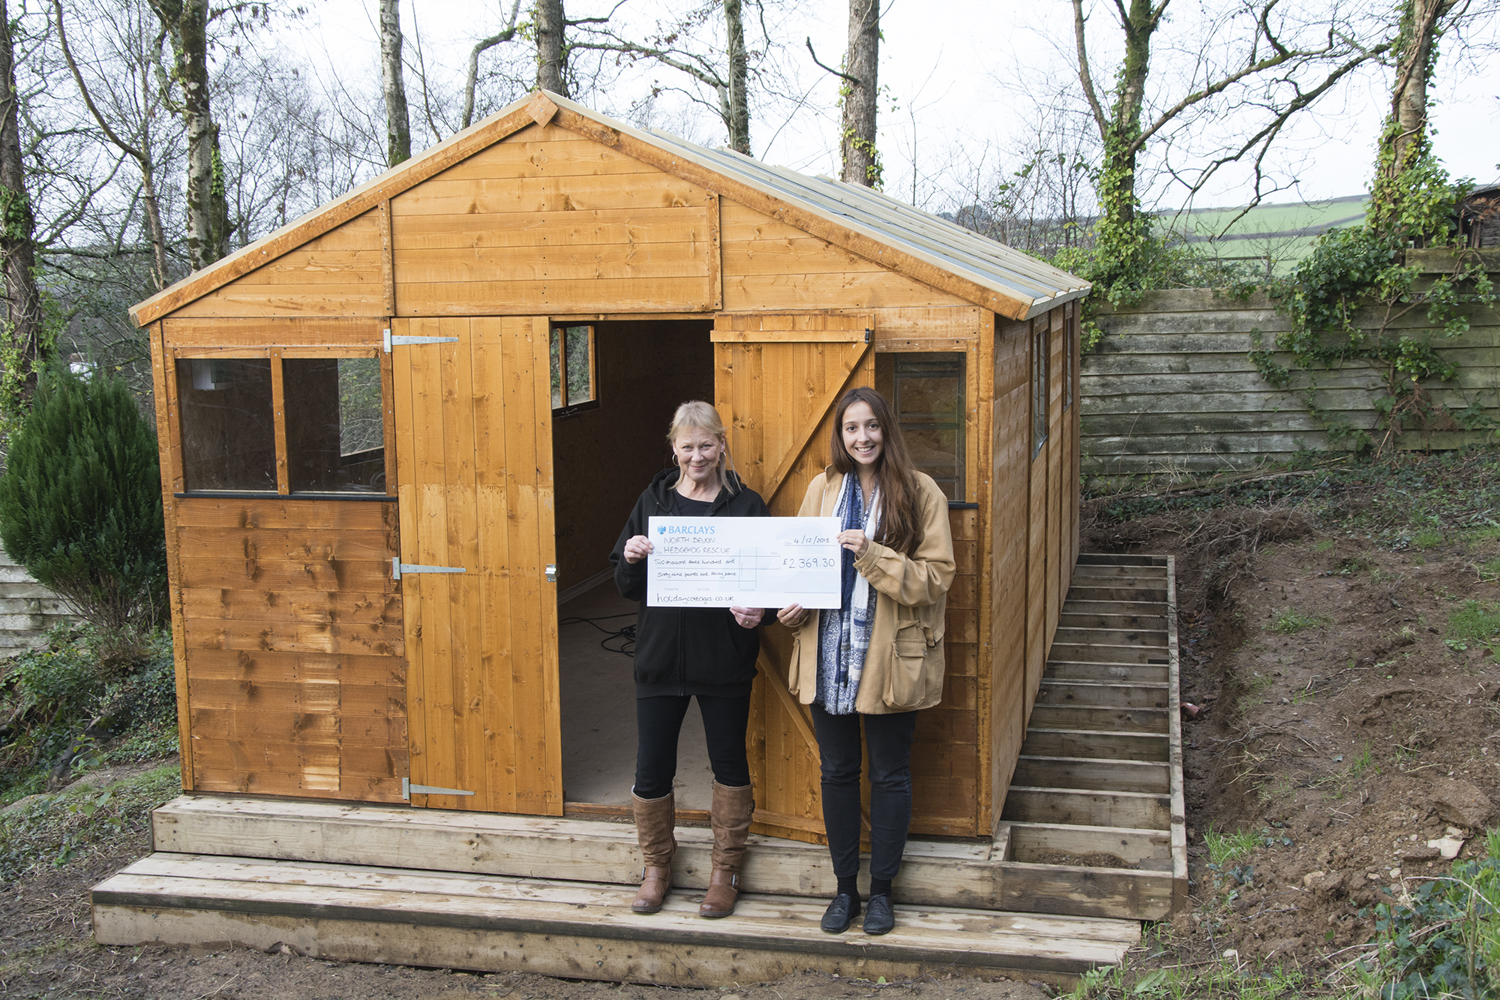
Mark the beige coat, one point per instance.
(904, 665)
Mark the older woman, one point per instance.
(686, 653)
(879, 657)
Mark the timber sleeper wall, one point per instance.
(1172, 389)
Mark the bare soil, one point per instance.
(1344, 745)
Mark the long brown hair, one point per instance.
(895, 473)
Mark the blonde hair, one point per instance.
(696, 415)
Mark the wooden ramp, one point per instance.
(1100, 772)
(1092, 842)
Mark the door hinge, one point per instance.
(408, 790)
(869, 335)
(403, 340)
(551, 573)
(398, 568)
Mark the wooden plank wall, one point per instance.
(549, 222)
(291, 669)
(1172, 390)
(1010, 503)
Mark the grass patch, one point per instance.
(1323, 544)
(1427, 538)
(1475, 623)
(54, 829)
(1489, 570)
(1289, 621)
(1227, 848)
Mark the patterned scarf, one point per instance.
(844, 636)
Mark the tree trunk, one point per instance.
(550, 49)
(397, 121)
(1413, 68)
(186, 23)
(861, 162)
(17, 238)
(739, 78)
(1121, 139)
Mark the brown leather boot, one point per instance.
(654, 820)
(730, 817)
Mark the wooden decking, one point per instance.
(1093, 841)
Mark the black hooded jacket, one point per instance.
(686, 651)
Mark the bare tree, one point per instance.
(1252, 62)
(483, 45)
(861, 162)
(550, 25)
(140, 150)
(22, 336)
(185, 23)
(397, 122)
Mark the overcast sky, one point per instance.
(958, 73)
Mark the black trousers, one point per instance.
(658, 721)
(888, 742)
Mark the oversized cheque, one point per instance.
(748, 562)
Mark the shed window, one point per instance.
(228, 428)
(927, 393)
(1070, 358)
(1040, 378)
(572, 353)
(335, 427)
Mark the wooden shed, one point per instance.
(396, 434)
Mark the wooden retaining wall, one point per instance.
(27, 609)
(1172, 390)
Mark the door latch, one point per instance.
(551, 573)
(398, 567)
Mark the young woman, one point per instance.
(686, 653)
(879, 657)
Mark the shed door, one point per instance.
(777, 378)
(474, 474)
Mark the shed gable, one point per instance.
(548, 221)
(337, 274)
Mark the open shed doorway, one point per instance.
(615, 387)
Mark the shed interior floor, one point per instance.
(598, 711)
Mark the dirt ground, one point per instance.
(1336, 719)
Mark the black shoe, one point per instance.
(841, 912)
(878, 917)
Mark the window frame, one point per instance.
(963, 362)
(276, 354)
(1041, 379)
(559, 329)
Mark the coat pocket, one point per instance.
(905, 684)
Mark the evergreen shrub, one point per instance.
(80, 501)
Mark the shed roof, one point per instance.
(859, 219)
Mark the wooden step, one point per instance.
(1088, 591)
(1120, 559)
(1111, 720)
(1075, 606)
(1120, 576)
(1092, 772)
(1148, 622)
(569, 929)
(1061, 742)
(1120, 673)
(1089, 807)
(1057, 691)
(937, 873)
(1145, 849)
(1108, 654)
(1155, 638)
